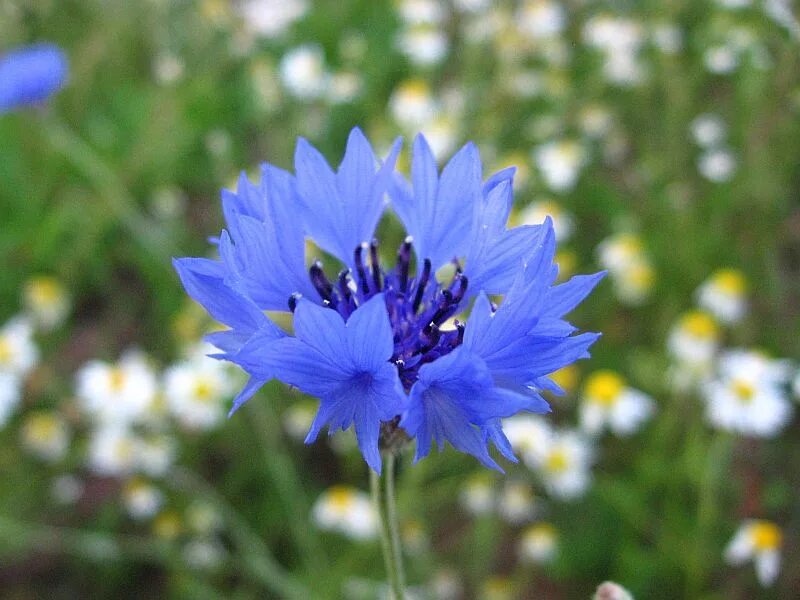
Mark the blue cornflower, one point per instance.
(372, 343)
(30, 75)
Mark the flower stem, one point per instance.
(383, 497)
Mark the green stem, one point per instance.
(383, 499)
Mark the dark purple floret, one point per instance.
(417, 306)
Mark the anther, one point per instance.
(404, 262)
(460, 329)
(376, 265)
(360, 270)
(430, 335)
(423, 281)
(320, 282)
(293, 299)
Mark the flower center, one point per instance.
(744, 391)
(766, 536)
(418, 306)
(557, 462)
(604, 387)
(116, 379)
(5, 351)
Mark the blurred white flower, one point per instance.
(346, 510)
(167, 68)
(595, 121)
(18, 352)
(724, 295)
(708, 130)
(564, 465)
(541, 19)
(66, 489)
(560, 163)
(631, 271)
(344, 87)
(694, 339)
(441, 136)
(747, 395)
(667, 38)
(271, 18)
(539, 543)
(734, 4)
(535, 214)
(119, 393)
(45, 301)
(142, 499)
(620, 40)
(421, 12)
(608, 590)
(112, 451)
(303, 73)
(478, 494)
(529, 436)
(609, 402)
(46, 435)
(196, 389)
(412, 105)
(446, 585)
(203, 554)
(721, 60)
(717, 165)
(759, 541)
(516, 502)
(155, 454)
(297, 419)
(423, 45)
(10, 395)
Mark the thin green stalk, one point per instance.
(383, 500)
(393, 520)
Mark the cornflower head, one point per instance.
(387, 350)
(30, 75)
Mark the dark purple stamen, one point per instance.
(293, 301)
(423, 281)
(404, 263)
(376, 264)
(320, 282)
(360, 270)
(417, 306)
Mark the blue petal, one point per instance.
(564, 297)
(204, 282)
(248, 391)
(493, 432)
(437, 211)
(496, 255)
(268, 254)
(369, 334)
(438, 406)
(342, 210)
(30, 75)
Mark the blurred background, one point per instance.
(662, 137)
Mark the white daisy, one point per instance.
(724, 295)
(539, 543)
(46, 301)
(747, 396)
(560, 163)
(346, 510)
(303, 72)
(759, 541)
(609, 402)
(46, 434)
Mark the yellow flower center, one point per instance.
(540, 532)
(41, 427)
(766, 536)
(557, 461)
(203, 390)
(44, 290)
(340, 497)
(641, 274)
(604, 388)
(167, 525)
(730, 281)
(699, 324)
(744, 391)
(116, 379)
(6, 353)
